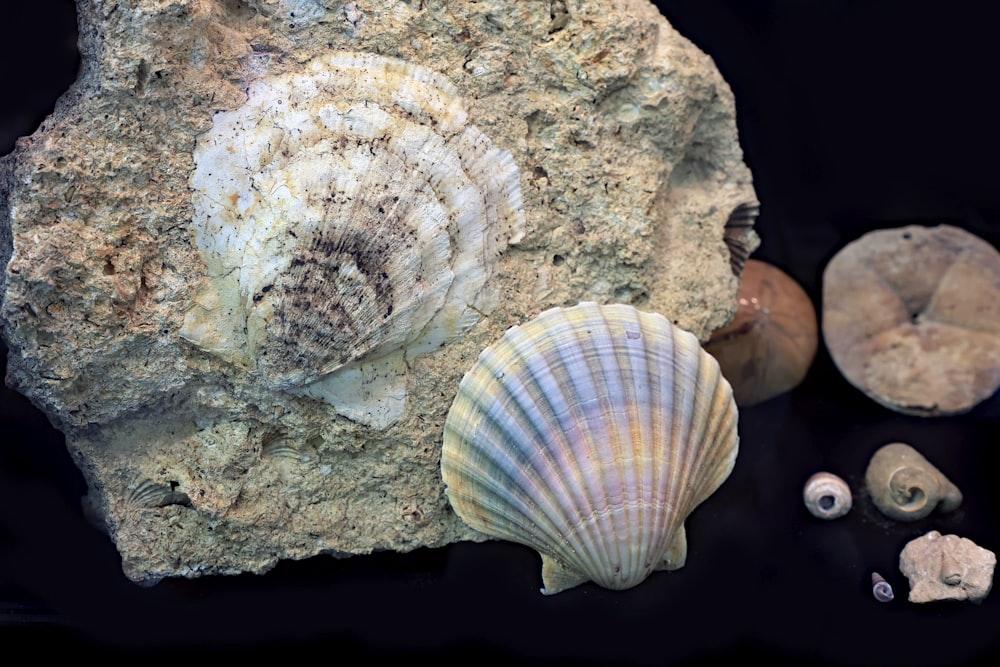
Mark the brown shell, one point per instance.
(768, 347)
(911, 317)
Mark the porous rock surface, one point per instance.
(947, 567)
(629, 165)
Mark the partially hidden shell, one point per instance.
(345, 213)
(590, 434)
(769, 346)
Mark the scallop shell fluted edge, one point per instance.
(590, 434)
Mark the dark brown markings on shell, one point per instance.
(737, 235)
(338, 289)
(338, 294)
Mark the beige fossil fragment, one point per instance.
(911, 317)
(947, 567)
(906, 487)
(231, 407)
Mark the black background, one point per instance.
(853, 116)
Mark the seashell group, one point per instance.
(346, 214)
(590, 434)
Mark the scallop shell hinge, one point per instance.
(590, 434)
(347, 214)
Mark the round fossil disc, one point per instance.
(912, 318)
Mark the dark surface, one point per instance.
(854, 116)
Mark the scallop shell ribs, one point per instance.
(590, 434)
(346, 213)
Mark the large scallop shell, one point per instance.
(590, 434)
(346, 213)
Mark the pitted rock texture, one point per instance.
(624, 137)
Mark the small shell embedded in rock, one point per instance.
(827, 496)
(905, 486)
(911, 317)
(947, 567)
(768, 347)
(590, 434)
(345, 214)
(739, 235)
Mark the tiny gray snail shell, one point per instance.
(827, 496)
(881, 588)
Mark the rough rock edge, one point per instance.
(114, 265)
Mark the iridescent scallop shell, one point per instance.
(590, 434)
(347, 214)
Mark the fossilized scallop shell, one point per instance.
(590, 434)
(345, 213)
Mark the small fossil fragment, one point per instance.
(947, 567)
(768, 347)
(881, 588)
(827, 496)
(911, 317)
(905, 486)
(590, 434)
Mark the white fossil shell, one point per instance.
(346, 213)
(590, 434)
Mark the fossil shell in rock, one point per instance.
(769, 346)
(346, 213)
(590, 434)
(947, 567)
(739, 236)
(912, 318)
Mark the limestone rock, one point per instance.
(544, 153)
(947, 567)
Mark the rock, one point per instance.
(947, 567)
(911, 317)
(189, 297)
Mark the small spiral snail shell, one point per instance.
(881, 588)
(827, 496)
(906, 487)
